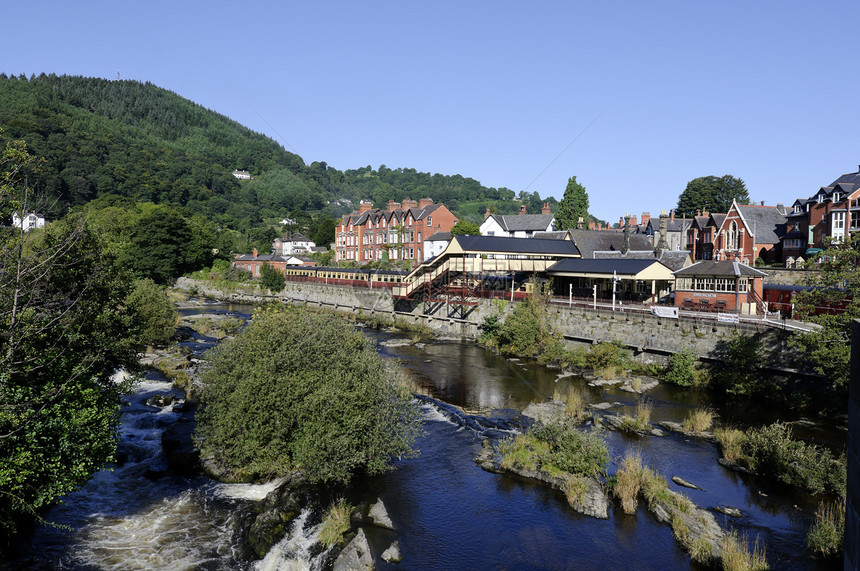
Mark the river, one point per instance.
(449, 513)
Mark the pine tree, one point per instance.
(573, 206)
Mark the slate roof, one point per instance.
(622, 266)
(590, 241)
(767, 223)
(523, 222)
(261, 258)
(439, 237)
(719, 268)
(517, 245)
(556, 235)
(672, 259)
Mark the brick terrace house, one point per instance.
(400, 230)
(832, 212)
(701, 234)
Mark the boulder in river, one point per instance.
(356, 555)
(182, 455)
(392, 554)
(682, 482)
(379, 516)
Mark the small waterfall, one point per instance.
(293, 553)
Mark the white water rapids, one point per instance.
(122, 519)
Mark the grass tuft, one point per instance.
(826, 537)
(736, 554)
(335, 523)
(699, 420)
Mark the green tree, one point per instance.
(827, 350)
(65, 333)
(325, 230)
(302, 390)
(272, 279)
(464, 227)
(158, 248)
(573, 206)
(712, 194)
(155, 313)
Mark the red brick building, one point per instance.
(721, 286)
(744, 234)
(399, 231)
(832, 212)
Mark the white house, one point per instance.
(435, 244)
(521, 225)
(294, 243)
(242, 174)
(28, 221)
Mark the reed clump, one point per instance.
(699, 420)
(335, 522)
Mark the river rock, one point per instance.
(639, 384)
(486, 458)
(182, 455)
(356, 555)
(601, 405)
(545, 412)
(701, 525)
(682, 482)
(379, 516)
(392, 554)
(160, 401)
(396, 343)
(729, 511)
(726, 463)
(605, 382)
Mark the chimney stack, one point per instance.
(487, 213)
(522, 210)
(626, 220)
(545, 209)
(663, 242)
(392, 206)
(364, 206)
(255, 252)
(646, 217)
(408, 203)
(422, 202)
(672, 215)
(592, 225)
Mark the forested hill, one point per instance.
(143, 142)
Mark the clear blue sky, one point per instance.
(763, 90)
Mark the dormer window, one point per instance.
(820, 198)
(836, 197)
(797, 209)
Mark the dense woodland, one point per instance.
(149, 145)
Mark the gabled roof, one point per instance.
(504, 244)
(523, 222)
(719, 268)
(439, 237)
(590, 241)
(766, 223)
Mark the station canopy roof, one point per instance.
(607, 267)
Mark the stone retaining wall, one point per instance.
(652, 338)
